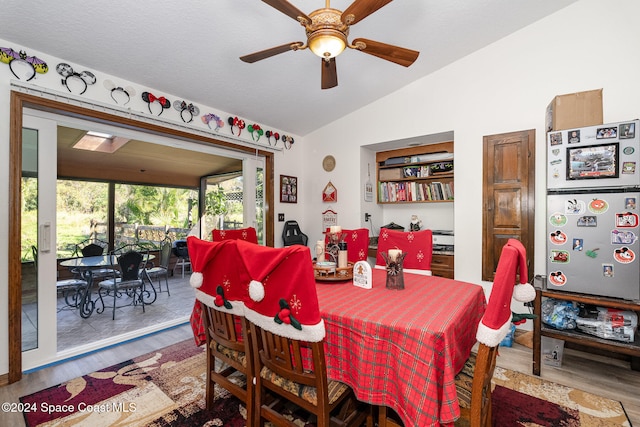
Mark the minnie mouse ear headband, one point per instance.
(207, 118)
(287, 141)
(236, 122)
(150, 98)
(258, 131)
(275, 136)
(86, 77)
(13, 58)
(119, 93)
(187, 111)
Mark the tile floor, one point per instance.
(73, 330)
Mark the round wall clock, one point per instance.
(328, 163)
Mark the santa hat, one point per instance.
(215, 278)
(282, 291)
(496, 322)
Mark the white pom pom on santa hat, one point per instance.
(256, 290)
(524, 292)
(196, 280)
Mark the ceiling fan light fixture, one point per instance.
(327, 43)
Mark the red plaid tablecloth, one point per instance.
(402, 349)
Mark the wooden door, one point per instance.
(508, 194)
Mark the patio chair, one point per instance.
(417, 244)
(94, 247)
(128, 284)
(162, 269)
(70, 289)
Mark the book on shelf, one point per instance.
(414, 191)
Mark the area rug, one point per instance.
(167, 387)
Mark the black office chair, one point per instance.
(292, 235)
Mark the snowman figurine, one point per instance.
(415, 224)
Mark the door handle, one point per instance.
(44, 244)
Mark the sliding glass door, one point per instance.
(38, 248)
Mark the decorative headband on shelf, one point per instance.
(119, 92)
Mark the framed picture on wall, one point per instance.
(288, 189)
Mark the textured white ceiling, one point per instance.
(190, 48)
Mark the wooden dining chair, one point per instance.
(357, 241)
(417, 244)
(294, 371)
(287, 338)
(473, 382)
(221, 308)
(229, 357)
(249, 234)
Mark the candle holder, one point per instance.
(395, 275)
(333, 247)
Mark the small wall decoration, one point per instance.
(151, 99)
(187, 111)
(368, 187)
(329, 219)
(208, 118)
(21, 64)
(330, 193)
(119, 94)
(75, 82)
(288, 189)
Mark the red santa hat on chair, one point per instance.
(274, 288)
(496, 322)
(215, 278)
(282, 291)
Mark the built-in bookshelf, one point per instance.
(422, 174)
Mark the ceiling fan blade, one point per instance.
(288, 9)
(399, 55)
(360, 9)
(263, 54)
(329, 74)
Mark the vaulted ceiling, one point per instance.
(191, 49)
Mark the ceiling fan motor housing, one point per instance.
(326, 27)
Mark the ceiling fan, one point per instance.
(327, 31)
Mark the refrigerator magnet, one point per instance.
(574, 207)
(558, 219)
(629, 168)
(627, 130)
(557, 278)
(555, 138)
(630, 203)
(598, 206)
(626, 220)
(623, 237)
(587, 221)
(558, 238)
(607, 270)
(624, 255)
(560, 257)
(578, 244)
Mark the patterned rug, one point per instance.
(166, 388)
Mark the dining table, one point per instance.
(402, 348)
(87, 265)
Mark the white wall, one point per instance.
(287, 162)
(503, 88)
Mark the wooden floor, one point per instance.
(606, 377)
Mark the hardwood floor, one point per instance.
(606, 377)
